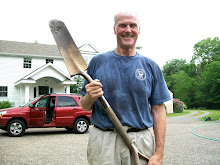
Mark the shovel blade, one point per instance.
(67, 47)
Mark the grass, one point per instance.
(200, 112)
(179, 114)
(214, 114)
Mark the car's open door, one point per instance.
(37, 113)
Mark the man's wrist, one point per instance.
(159, 154)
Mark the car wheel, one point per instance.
(81, 126)
(16, 128)
(69, 129)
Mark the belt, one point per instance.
(114, 130)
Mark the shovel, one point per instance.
(77, 66)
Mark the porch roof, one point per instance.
(47, 70)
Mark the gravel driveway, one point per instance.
(55, 146)
(184, 148)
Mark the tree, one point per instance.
(197, 83)
(182, 87)
(172, 67)
(205, 52)
(139, 47)
(210, 85)
(206, 58)
(36, 42)
(76, 88)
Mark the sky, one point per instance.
(169, 28)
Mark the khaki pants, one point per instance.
(108, 148)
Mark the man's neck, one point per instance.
(125, 52)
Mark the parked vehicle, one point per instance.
(54, 110)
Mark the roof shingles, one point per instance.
(14, 47)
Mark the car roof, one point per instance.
(65, 94)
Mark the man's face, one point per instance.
(126, 31)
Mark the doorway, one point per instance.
(43, 90)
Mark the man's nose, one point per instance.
(128, 28)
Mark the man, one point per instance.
(131, 83)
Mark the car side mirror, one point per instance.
(31, 106)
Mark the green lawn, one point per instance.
(200, 112)
(214, 114)
(185, 112)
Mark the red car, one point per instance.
(54, 110)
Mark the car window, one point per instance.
(42, 102)
(52, 102)
(65, 101)
(30, 101)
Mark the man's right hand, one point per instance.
(94, 89)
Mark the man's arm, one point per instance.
(94, 91)
(159, 116)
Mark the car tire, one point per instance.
(16, 128)
(81, 126)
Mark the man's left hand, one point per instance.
(155, 160)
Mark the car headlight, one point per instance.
(2, 113)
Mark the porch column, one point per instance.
(26, 93)
(67, 88)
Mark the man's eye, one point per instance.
(122, 25)
(133, 25)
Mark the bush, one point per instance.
(6, 104)
(201, 108)
(178, 106)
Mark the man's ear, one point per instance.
(114, 30)
(139, 30)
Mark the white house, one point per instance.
(169, 104)
(30, 69)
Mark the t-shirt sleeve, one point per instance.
(160, 92)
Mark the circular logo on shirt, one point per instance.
(140, 74)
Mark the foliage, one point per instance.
(172, 67)
(6, 104)
(210, 85)
(36, 42)
(205, 52)
(139, 47)
(178, 106)
(197, 83)
(182, 86)
(76, 88)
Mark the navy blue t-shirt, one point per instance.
(130, 84)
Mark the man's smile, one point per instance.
(127, 36)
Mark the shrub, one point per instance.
(76, 88)
(6, 104)
(178, 106)
(201, 108)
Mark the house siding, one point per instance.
(11, 70)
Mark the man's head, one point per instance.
(126, 29)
